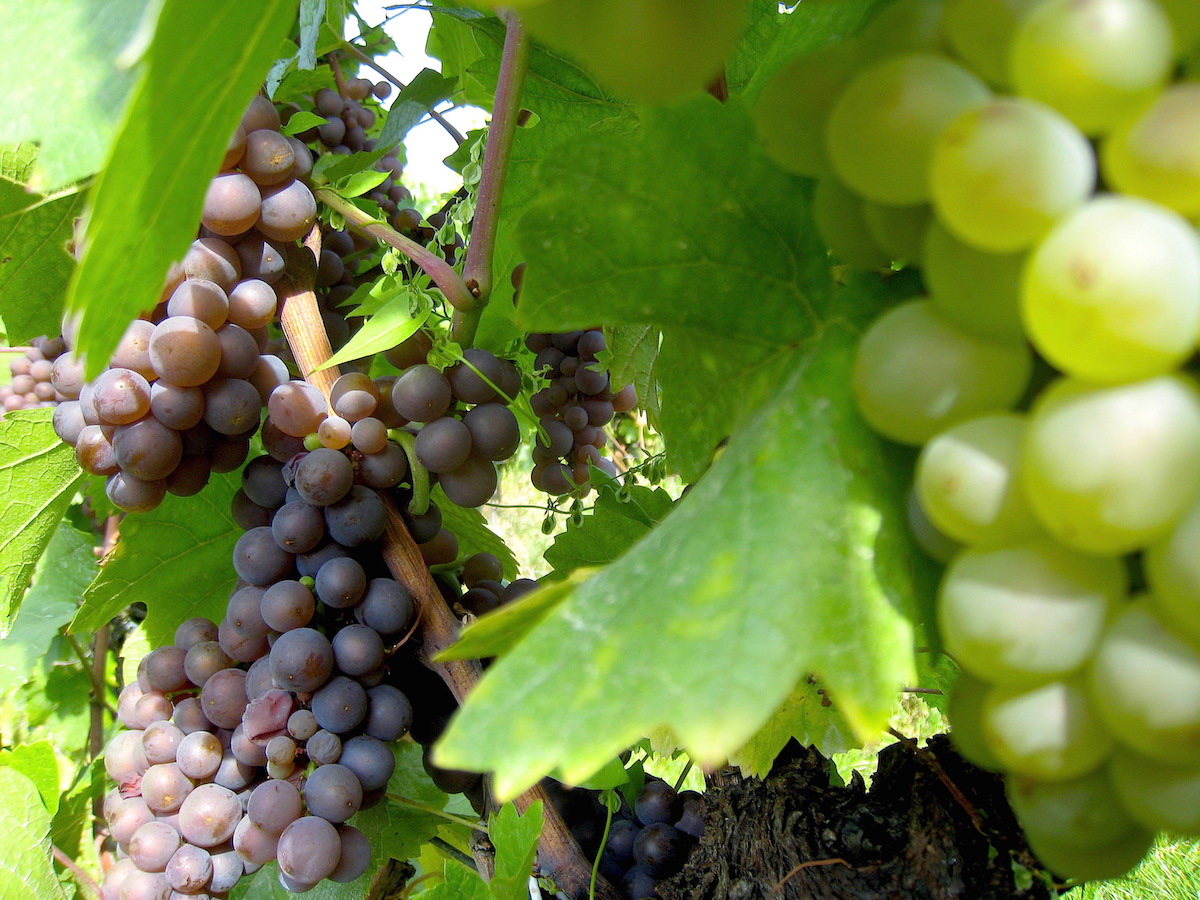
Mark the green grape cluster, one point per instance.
(1034, 162)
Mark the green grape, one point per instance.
(969, 485)
(965, 711)
(882, 128)
(899, 230)
(1003, 173)
(1026, 614)
(648, 50)
(1095, 61)
(1172, 568)
(1159, 796)
(1093, 862)
(842, 226)
(1049, 732)
(792, 109)
(1145, 683)
(916, 374)
(936, 544)
(980, 33)
(1157, 154)
(977, 291)
(1113, 292)
(903, 26)
(1110, 469)
(1079, 812)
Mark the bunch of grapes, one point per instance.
(31, 386)
(645, 844)
(1049, 497)
(573, 410)
(185, 389)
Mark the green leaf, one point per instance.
(145, 206)
(177, 559)
(413, 104)
(498, 631)
(17, 162)
(515, 838)
(474, 536)
(38, 763)
(34, 264)
(392, 324)
(461, 884)
(71, 60)
(612, 527)
(302, 121)
(360, 183)
(312, 16)
(770, 569)
(62, 574)
(802, 717)
(623, 232)
(25, 869)
(632, 351)
(37, 475)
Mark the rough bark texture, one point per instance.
(793, 836)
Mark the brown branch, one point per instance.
(809, 864)
(442, 273)
(82, 878)
(477, 269)
(930, 760)
(433, 113)
(559, 853)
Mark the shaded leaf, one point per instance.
(802, 717)
(62, 574)
(34, 264)
(177, 559)
(145, 207)
(461, 884)
(69, 59)
(25, 869)
(515, 838)
(498, 631)
(473, 534)
(312, 16)
(413, 104)
(630, 357)
(615, 523)
(37, 476)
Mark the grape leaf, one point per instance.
(630, 357)
(25, 869)
(37, 476)
(614, 524)
(62, 574)
(802, 717)
(413, 104)
(460, 884)
(394, 322)
(38, 763)
(515, 838)
(473, 534)
(69, 58)
(498, 631)
(145, 207)
(788, 557)
(177, 559)
(34, 264)
(17, 162)
(312, 16)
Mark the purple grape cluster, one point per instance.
(184, 391)
(31, 386)
(645, 844)
(573, 410)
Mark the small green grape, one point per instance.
(882, 128)
(969, 484)
(915, 374)
(1095, 61)
(1159, 796)
(899, 230)
(1172, 568)
(965, 711)
(842, 226)
(1049, 732)
(1026, 614)
(977, 291)
(1108, 470)
(1145, 683)
(1004, 172)
(1157, 154)
(1113, 292)
(980, 33)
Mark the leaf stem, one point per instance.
(419, 503)
(440, 813)
(442, 273)
(477, 270)
(608, 817)
(82, 878)
(433, 113)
